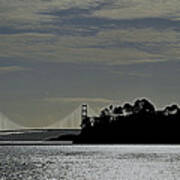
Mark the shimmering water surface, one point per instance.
(90, 162)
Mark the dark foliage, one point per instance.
(137, 123)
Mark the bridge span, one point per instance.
(71, 121)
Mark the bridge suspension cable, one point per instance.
(6, 124)
(73, 120)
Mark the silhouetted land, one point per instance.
(136, 123)
(35, 134)
(139, 122)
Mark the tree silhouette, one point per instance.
(133, 123)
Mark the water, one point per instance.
(90, 162)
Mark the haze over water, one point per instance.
(90, 162)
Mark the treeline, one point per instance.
(139, 122)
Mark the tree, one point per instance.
(171, 110)
(118, 110)
(127, 109)
(143, 106)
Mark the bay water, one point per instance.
(91, 162)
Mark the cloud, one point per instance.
(116, 32)
(27, 11)
(145, 35)
(133, 74)
(140, 9)
(106, 47)
(82, 17)
(6, 69)
(77, 100)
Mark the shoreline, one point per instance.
(38, 143)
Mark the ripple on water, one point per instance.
(89, 162)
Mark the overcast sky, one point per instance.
(57, 54)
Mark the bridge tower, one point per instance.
(84, 112)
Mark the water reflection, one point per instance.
(89, 162)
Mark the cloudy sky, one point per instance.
(57, 54)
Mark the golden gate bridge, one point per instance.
(71, 121)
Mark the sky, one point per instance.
(57, 54)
